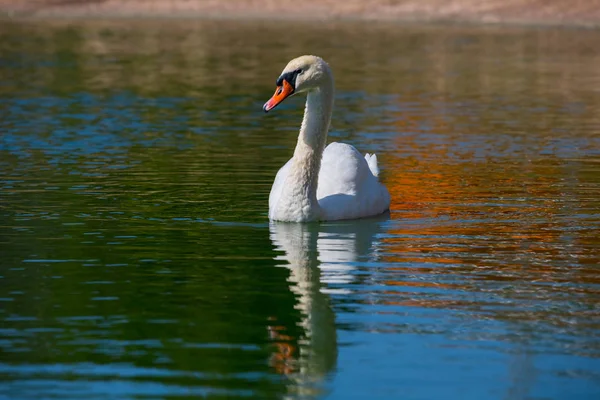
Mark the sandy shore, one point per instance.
(538, 12)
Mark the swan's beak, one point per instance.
(283, 91)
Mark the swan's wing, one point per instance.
(372, 161)
(348, 184)
(277, 187)
(343, 170)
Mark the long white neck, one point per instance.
(300, 192)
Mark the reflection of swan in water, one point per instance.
(318, 255)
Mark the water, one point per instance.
(138, 261)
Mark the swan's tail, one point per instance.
(372, 161)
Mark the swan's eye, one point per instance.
(299, 71)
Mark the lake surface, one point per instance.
(137, 259)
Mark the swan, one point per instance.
(321, 183)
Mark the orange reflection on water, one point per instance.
(488, 220)
(285, 354)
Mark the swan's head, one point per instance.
(302, 74)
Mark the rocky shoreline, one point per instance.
(536, 12)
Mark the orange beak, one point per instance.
(281, 93)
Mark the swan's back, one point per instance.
(348, 184)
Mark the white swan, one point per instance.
(321, 183)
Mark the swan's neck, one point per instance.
(303, 178)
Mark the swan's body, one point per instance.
(348, 188)
(321, 183)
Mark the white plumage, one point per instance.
(322, 183)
